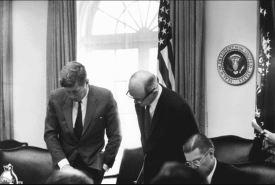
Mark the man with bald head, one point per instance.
(166, 122)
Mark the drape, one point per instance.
(61, 39)
(188, 27)
(6, 65)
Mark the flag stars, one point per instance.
(164, 31)
(268, 56)
(160, 19)
(169, 24)
(167, 11)
(162, 9)
(263, 11)
(161, 41)
(268, 48)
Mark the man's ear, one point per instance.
(212, 151)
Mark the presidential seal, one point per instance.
(235, 64)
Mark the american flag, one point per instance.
(265, 104)
(166, 65)
(265, 64)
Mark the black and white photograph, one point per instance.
(137, 92)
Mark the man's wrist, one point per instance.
(63, 163)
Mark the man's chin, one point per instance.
(74, 99)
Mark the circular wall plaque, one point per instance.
(235, 64)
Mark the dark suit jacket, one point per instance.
(228, 174)
(101, 115)
(173, 123)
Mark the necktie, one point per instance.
(78, 123)
(147, 122)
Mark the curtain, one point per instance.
(61, 39)
(6, 91)
(188, 27)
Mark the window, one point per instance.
(116, 39)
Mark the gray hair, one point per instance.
(199, 141)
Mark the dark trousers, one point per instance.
(94, 174)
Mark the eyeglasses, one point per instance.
(197, 163)
(140, 100)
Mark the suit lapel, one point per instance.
(140, 114)
(156, 117)
(67, 110)
(216, 179)
(91, 110)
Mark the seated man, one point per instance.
(177, 173)
(199, 153)
(72, 176)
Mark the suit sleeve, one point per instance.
(113, 132)
(191, 125)
(51, 134)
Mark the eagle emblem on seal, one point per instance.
(235, 64)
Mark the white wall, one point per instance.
(29, 57)
(230, 108)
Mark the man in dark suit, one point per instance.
(78, 115)
(199, 152)
(165, 119)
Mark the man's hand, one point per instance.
(67, 168)
(269, 137)
(105, 167)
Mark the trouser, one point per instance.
(94, 174)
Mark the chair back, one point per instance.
(263, 173)
(32, 165)
(11, 144)
(232, 149)
(131, 165)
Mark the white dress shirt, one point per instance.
(210, 176)
(154, 104)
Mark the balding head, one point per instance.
(199, 153)
(199, 141)
(141, 83)
(72, 176)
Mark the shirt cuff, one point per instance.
(63, 163)
(105, 167)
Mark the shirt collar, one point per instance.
(155, 102)
(210, 176)
(86, 96)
